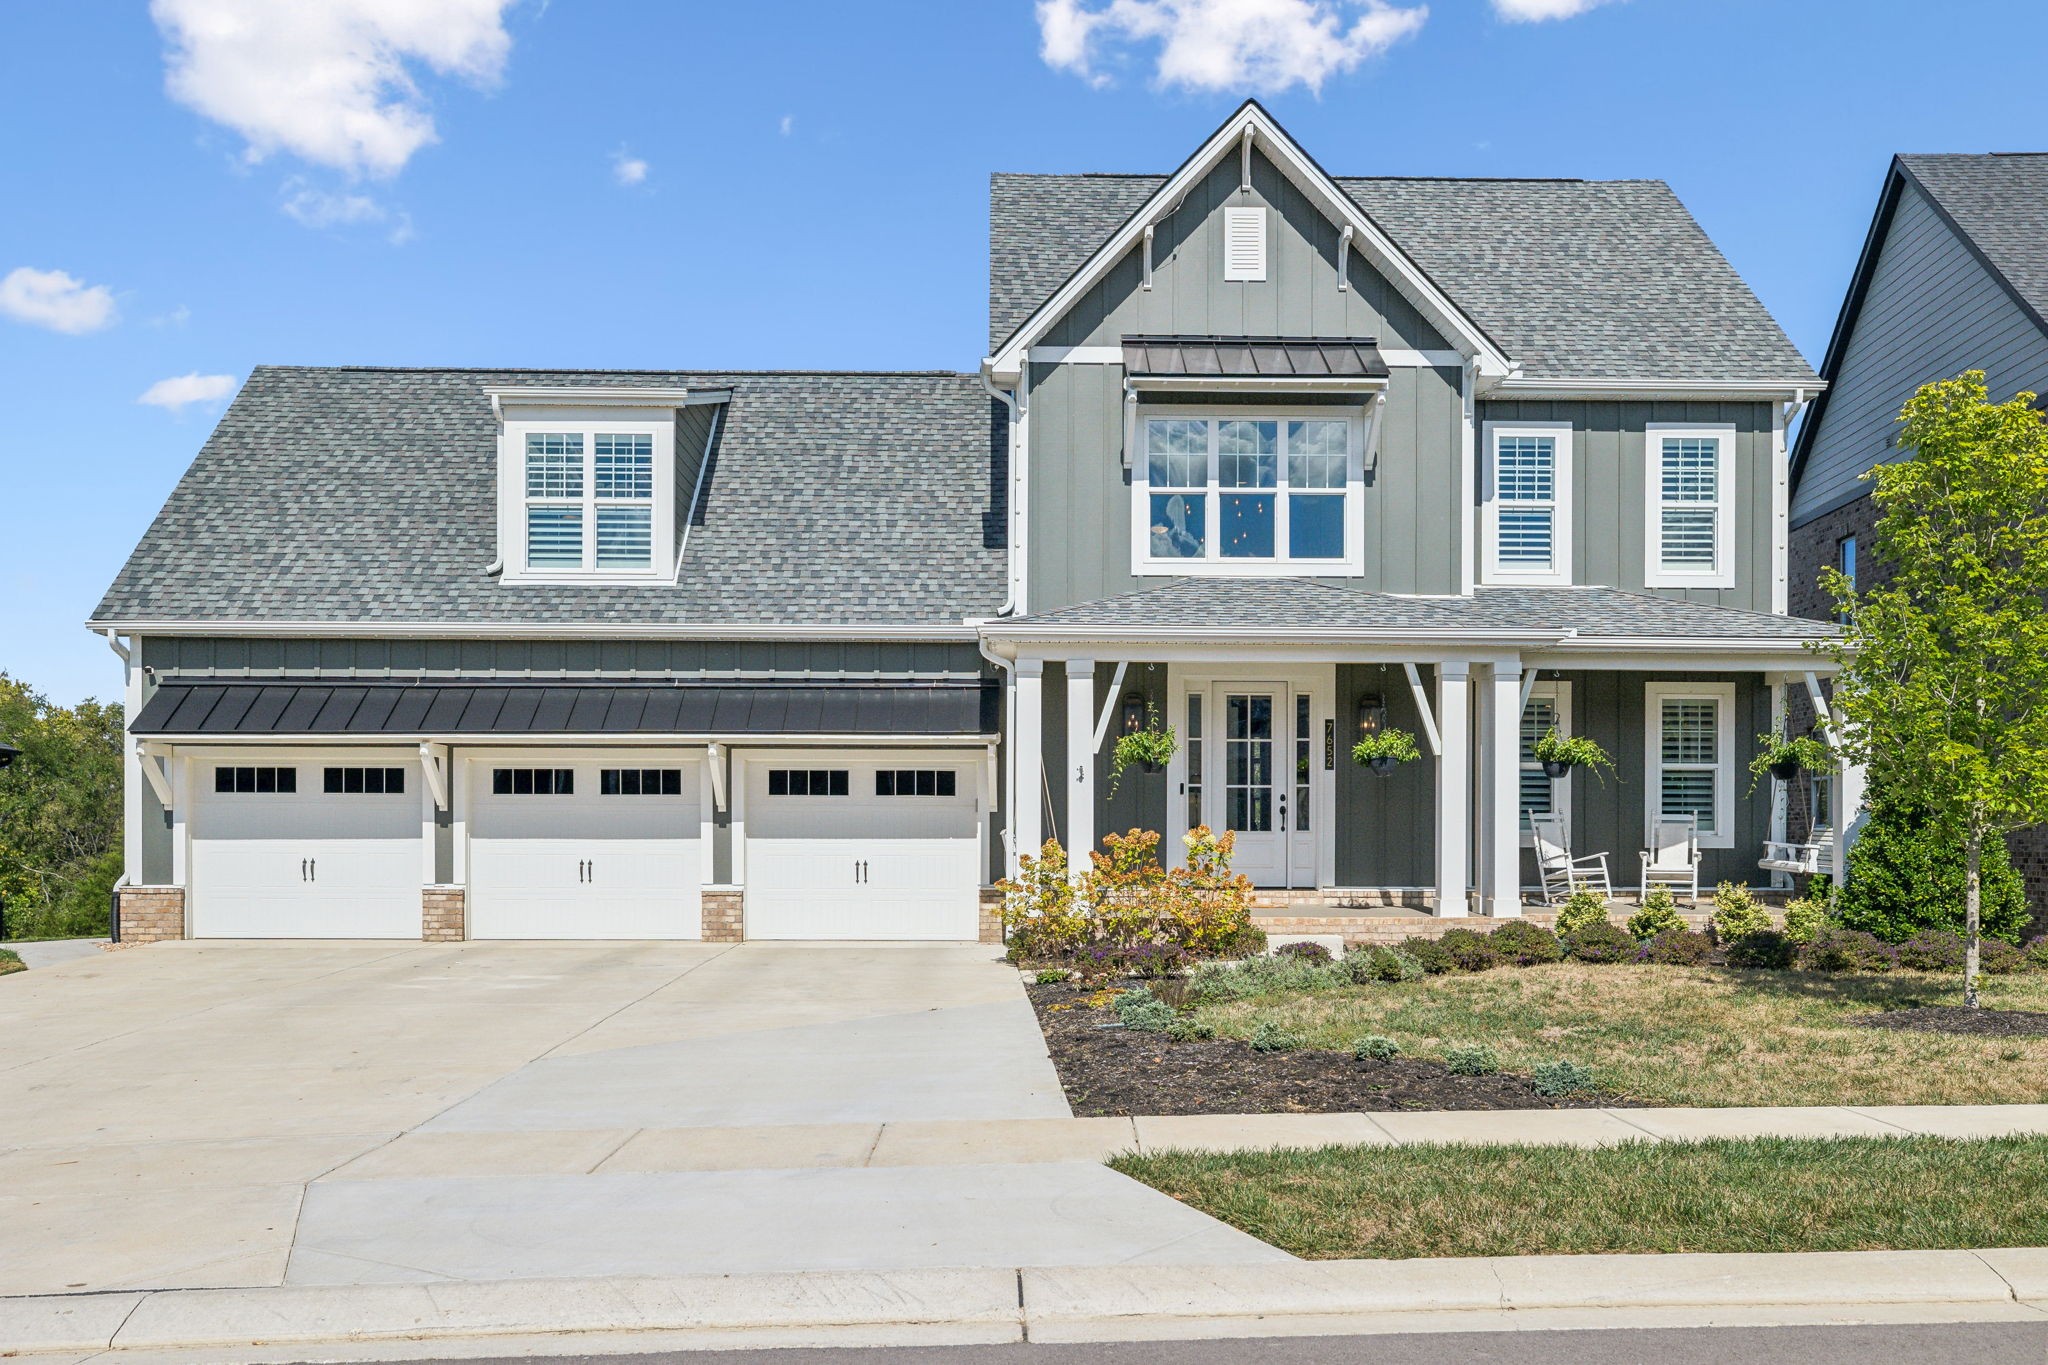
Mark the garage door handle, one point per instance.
(302, 869)
(313, 867)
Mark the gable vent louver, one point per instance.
(1244, 244)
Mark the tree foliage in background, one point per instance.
(60, 814)
(1943, 687)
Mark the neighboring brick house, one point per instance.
(1953, 276)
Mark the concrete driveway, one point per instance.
(216, 1114)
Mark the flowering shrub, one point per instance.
(1766, 948)
(1526, 944)
(1736, 913)
(1676, 948)
(1932, 950)
(1303, 951)
(1127, 911)
(1848, 950)
(1601, 941)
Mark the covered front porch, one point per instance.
(1265, 714)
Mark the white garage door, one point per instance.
(306, 849)
(602, 848)
(875, 848)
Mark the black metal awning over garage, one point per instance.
(280, 708)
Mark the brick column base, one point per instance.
(725, 916)
(991, 915)
(151, 914)
(443, 916)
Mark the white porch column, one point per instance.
(1848, 815)
(1453, 785)
(1027, 752)
(1504, 799)
(1080, 762)
(1781, 795)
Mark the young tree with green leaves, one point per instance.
(1943, 688)
(60, 814)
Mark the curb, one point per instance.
(1003, 1305)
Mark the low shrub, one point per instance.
(1376, 1048)
(1185, 1028)
(1153, 960)
(1836, 949)
(1432, 955)
(1382, 964)
(1142, 1012)
(1269, 1036)
(1677, 948)
(1805, 918)
(1736, 913)
(1582, 909)
(1469, 950)
(1052, 976)
(1212, 982)
(1932, 950)
(1659, 915)
(1303, 951)
(1526, 944)
(1766, 948)
(1471, 1059)
(1556, 1079)
(1246, 940)
(2037, 952)
(1600, 941)
(1996, 957)
(1127, 900)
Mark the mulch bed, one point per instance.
(1956, 1019)
(1114, 1073)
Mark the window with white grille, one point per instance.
(1691, 513)
(1529, 479)
(1689, 753)
(1549, 707)
(1248, 492)
(583, 500)
(1244, 244)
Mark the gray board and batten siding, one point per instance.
(1931, 310)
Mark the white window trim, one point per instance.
(1655, 694)
(1214, 564)
(1655, 574)
(1560, 787)
(512, 499)
(1560, 570)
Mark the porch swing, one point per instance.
(1816, 856)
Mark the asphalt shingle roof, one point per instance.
(1596, 279)
(2000, 202)
(369, 495)
(1311, 604)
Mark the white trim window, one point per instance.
(1248, 493)
(1529, 502)
(1549, 706)
(1689, 755)
(586, 500)
(1689, 535)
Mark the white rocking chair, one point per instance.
(1562, 874)
(1673, 857)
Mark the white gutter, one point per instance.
(1760, 389)
(299, 739)
(1289, 634)
(515, 630)
(114, 643)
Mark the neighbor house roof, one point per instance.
(370, 496)
(1324, 604)
(1575, 279)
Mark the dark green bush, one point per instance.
(1676, 948)
(2037, 952)
(1526, 944)
(1600, 941)
(1932, 950)
(1996, 957)
(1906, 875)
(1469, 950)
(1836, 949)
(1434, 957)
(1766, 948)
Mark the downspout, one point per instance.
(1019, 510)
(1009, 745)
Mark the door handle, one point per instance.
(313, 866)
(302, 869)
(592, 874)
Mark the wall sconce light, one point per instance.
(1133, 712)
(1372, 714)
(8, 753)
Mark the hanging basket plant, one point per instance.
(1786, 758)
(1559, 754)
(1148, 750)
(1385, 751)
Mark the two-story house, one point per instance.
(1270, 456)
(1953, 276)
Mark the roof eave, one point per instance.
(517, 630)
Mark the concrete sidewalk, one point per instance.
(953, 1306)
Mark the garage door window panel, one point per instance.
(364, 781)
(257, 781)
(533, 781)
(809, 781)
(640, 782)
(916, 782)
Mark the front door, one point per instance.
(1267, 755)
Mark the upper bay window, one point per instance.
(586, 497)
(1248, 493)
(1689, 540)
(1529, 502)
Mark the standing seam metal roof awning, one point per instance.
(1215, 357)
(279, 708)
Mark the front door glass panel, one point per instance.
(1248, 761)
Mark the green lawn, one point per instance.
(1765, 1194)
(1689, 1035)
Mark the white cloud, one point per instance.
(331, 82)
(628, 169)
(176, 393)
(53, 299)
(1264, 45)
(1536, 11)
(310, 206)
(788, 124)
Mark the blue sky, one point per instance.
(195, 187)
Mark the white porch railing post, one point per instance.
(1504, 801)
(1080, 762)
(1027, 740)
(1453, 785)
